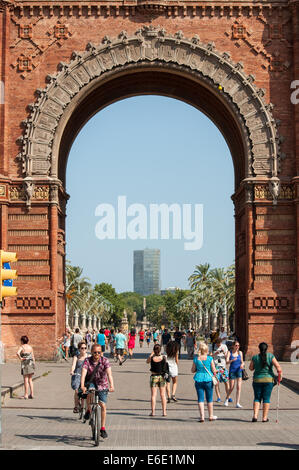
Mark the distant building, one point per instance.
(147, 271)
(171, 290)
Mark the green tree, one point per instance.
(108, 292)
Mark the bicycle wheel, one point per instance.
(97, 426)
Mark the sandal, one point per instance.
(151, 414)
(24, 398)
(213, 418)
(201, 420)
(31, 397)
(75, 410)
(173, 398)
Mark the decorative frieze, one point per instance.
(271, 303)
(151, 45)
(33, 303)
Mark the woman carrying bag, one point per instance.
(205, 371)
(263, 380)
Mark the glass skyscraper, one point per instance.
(147, 271)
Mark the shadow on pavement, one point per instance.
(59, 419)
(279, 444)
(66, 440)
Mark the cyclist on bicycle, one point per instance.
(102, 382)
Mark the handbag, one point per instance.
(245, 376)
(166, 374)
(214, 379)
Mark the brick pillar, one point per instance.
(295, 328)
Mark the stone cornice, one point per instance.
(149, 46)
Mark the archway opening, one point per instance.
(150, 149)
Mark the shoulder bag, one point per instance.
(214, 379)
(89, 381)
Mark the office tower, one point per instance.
(147, 271)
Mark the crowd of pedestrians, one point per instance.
(212, 365)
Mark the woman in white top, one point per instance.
(172, 351)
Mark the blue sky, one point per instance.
(150, 149)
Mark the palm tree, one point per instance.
(200, 276)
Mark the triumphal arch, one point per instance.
(236, 61)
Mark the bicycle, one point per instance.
(95, 418)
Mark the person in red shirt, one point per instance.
(107, 332)
(141, 337)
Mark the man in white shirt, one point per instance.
(223, 335)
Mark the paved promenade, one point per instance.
(47, 422)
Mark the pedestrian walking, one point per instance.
(172, 358)
(204, 369)
(26, 355)
(223, 335)
(157, 380)
(131, 342)
(101, 339)
(66, 339)
(178, 335)
(120, 345)
(236, 364)
(111, 341)
(148, 337)
(141, 337)
(219, 357)
(76, 371)
(155, 335)
(190, 344)
(263, 380)
(75, 340)
(165, 338)
(102, 383)
(88, 340)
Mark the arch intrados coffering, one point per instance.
(73, 95)
(141, 81)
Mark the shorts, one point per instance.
(202, 389)
(262, 391)
(102, 347)
(141, 339)
(235, 374)
(119, 351)
(222, 374)
(157, 381)
(103, 395)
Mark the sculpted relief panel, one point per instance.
(150, 45)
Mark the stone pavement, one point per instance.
(47, 422)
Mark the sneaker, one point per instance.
(226, 403)
(218, 400)
(103, 433)
(230, 400)
(87, 415)
(238, 405)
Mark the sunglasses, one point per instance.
(83, 348)
(96, 352)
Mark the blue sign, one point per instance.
(7, 282)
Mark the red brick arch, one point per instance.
(170, 60)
